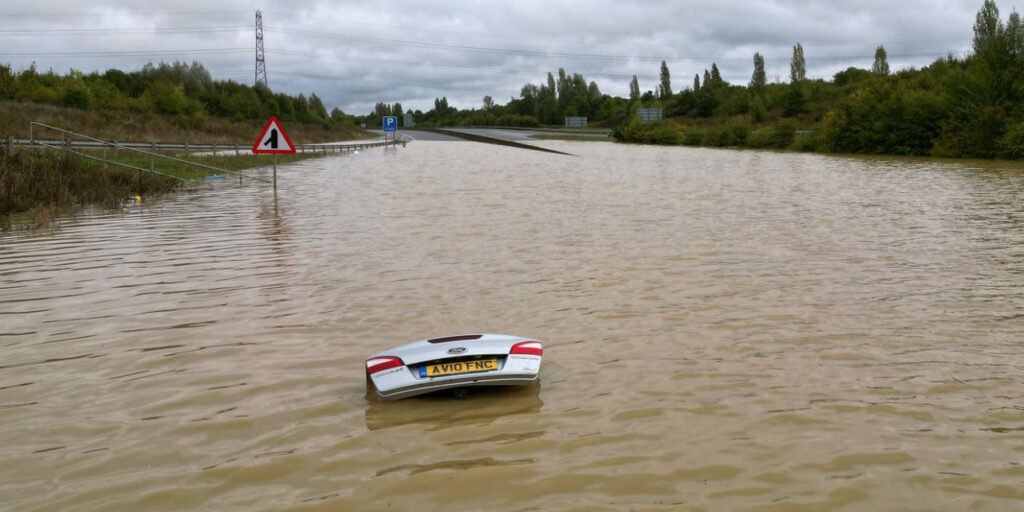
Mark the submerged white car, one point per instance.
(454, 362)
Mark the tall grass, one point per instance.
(36, 185)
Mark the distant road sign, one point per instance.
(390, 123)
(273, 140)
(575, 122)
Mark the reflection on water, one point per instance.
(440, 410)
(724, 331)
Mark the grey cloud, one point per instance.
(363, 62)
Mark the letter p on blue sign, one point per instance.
(390, 123)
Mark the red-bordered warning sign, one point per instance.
(273, 140)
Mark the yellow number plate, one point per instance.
(479, 365)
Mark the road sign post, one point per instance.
(389, 124)
(273, 141)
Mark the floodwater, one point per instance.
(723, 330)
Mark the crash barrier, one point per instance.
(189, 148)
(72, 142)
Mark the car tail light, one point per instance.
(378, 364)
(528, 347)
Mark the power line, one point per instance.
(115, 31)
(436, 45)
(123, 53)
(108, 13)
(538, 53)
(505, 71)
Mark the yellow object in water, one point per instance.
(138, 198)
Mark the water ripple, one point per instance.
(724, 330)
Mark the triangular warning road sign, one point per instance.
(273, 140)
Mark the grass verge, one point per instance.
(39, 185)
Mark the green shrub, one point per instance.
(760, 139)
(1011, 144)
(76, 95)
(810, 142)
(664, 132)
(783, 134)
(736, 132)
(692, 137)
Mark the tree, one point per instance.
(564, 90)
(798, 67)
(1015, 34)
(716, 77)
(986, 25)
(529, 95)
(316, 107)
(758, 80)
(634, 89)
(793, 100)
(488, 103)
(441, 106)
(76, 95)
(707, 79)
(666, 82)
(757, 109)
(696, 82)
(881, 65)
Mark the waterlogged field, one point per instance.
(723, 331)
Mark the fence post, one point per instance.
(186, 148)
(152, 149)
(236, 154)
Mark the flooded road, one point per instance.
(723, 330)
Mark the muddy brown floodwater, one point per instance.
(723, 330)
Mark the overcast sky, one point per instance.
(355, 53)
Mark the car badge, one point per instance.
(456, 350)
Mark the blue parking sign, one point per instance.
(390, 123)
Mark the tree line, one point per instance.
(970, 106)
(185, 91)
(959, 106)
(548, 103)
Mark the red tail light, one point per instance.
(528, 347)
(378, 364)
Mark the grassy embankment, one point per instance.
(37, 185)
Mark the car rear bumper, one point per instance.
(404, 381)
(419, 388)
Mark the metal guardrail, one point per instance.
(70, 146)
(85, 142)
(238, 149)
